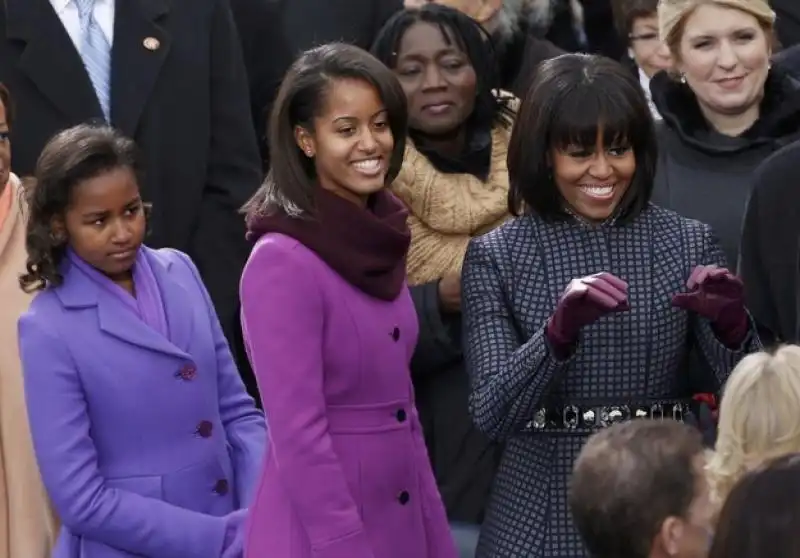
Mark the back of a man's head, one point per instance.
(629, 480)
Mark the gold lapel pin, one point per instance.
(151, 43)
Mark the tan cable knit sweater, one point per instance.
(447, 210)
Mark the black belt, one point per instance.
(574, 418)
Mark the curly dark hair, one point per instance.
(72, 156)
(471, 39)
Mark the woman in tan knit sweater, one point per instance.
(27, 524)
(455, 184)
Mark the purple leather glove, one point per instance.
(583, 302)
(233, 544)
(717, 294)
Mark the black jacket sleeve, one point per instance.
(768, 261)
(267, 57)
(234, 172)
(309, 23)
(439, 344)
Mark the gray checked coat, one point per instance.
(512, 280)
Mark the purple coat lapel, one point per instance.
(79, 292)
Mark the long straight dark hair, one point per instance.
(290, 185)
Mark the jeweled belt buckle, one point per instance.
(657, 411)
(571, 417)
(589, 418)
(613, 414)
(539, 420)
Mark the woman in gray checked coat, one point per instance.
(582, 310)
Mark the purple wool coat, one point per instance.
(143, 444)
(347, 474)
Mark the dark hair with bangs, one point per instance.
(626, 12)
(291, 183)
(471, 38)
(572, 98)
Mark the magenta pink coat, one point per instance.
(347, 474)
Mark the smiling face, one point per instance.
(724, 55)
(105, 222)
(592, 179)
(351, 142)
(438, 79)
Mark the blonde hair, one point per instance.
(672, 15)
(759, 417)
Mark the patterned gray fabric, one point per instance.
(512, 280)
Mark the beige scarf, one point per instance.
(447, 210)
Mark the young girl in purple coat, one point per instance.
(147, 442)
(330, 327)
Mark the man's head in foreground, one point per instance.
(638, 490)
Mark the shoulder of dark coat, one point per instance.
(772, 179)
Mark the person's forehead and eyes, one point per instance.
(425, 42)
(352, 101)
(107, 194)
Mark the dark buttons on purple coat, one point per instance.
(205, 428)
(221, 487)
(401, 415)
(396, 333)
(403, 497)
(187, 372)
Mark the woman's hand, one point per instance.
(584, 301)
(718, 295)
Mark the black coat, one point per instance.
(770, 250)
(706, 176)
(308, 23)
(267, 57)
(185, 103)
(788, 22)
(464, 460)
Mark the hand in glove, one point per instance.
(583, 302)
(718, 295)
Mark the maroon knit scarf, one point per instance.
(366, 247)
